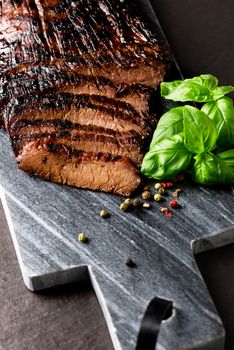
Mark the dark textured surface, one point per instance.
(44, 219)
(217, 269)
(59, 318)
(205, 12)
(200, 34)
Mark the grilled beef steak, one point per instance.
(77, 79)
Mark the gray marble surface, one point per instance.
(44, 220)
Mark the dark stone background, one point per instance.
(200, 33)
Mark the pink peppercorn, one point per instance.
(174, 204)
(168, 214)
(163, 185)
(166, 184)
(169, 184)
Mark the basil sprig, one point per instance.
(222, 113)
(188, 137)
(198, 89)
(227, 157)
(166, 158)
(209, 169)
(200, 131)
(171, 123)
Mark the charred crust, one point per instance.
(75, 30)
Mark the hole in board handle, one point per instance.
(157, 311)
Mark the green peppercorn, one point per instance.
(158, 197)
(161, 190)
(104, 214)
(157, 186)
(82, 237)
(124, 206)
(128, 201)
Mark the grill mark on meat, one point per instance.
(24, 126)
(61, 164)
(129, 144)
(85, 118)
(44, 79)
(78, 109)
(126, 147)
(49, 145)
(144, 73)
(28, 35)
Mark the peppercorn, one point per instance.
(124, 206)
(146, 205)
(157, 186)
(166, 184)
(82, 237)
(136, 202)
(128, 201)
(163, 209)
(168, 214)
(177, 192)
(104, 214)
(174, 204)
(129, 262)
(158, 197)
(146, 195)
(162, 191)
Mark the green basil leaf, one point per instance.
(208, 169)
(222, 113)
(199, 130)
(171, 123)
(220, 91)
(167, 158)
(227, 157)
(198, 89)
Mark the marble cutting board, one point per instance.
(44, 220)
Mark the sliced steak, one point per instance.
(77, 79)
(42, 79)
(101, 33)
(148, 75)
(97, 171)
(79, 109)
(80, 137)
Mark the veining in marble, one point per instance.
(45, 218)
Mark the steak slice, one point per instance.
(150, 75)
(41, 79)
(79, 109)
(81, 137)
(97, 171)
